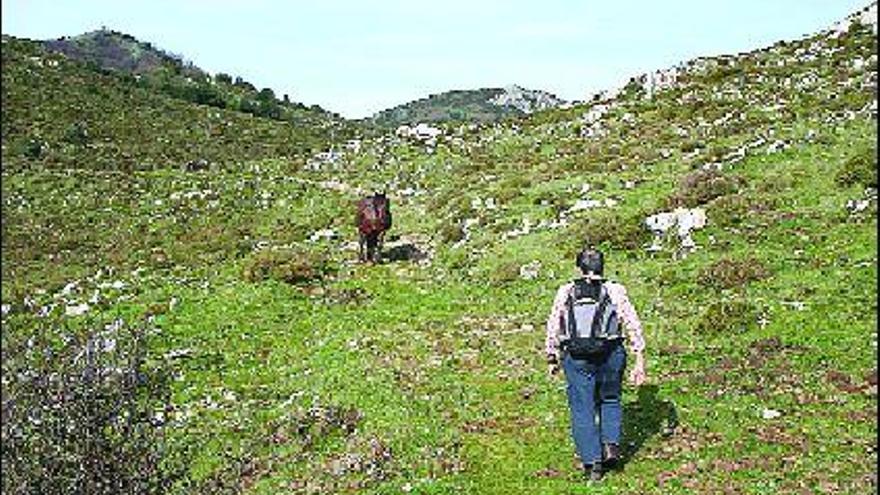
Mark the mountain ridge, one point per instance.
(109, 50)
(482, 105)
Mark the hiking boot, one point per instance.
(593, 472)
(610, 453)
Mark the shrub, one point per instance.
(557, 200)
(295, 266)
(512, 187)
(77, 133)
(611, 232)
(451, 232)
(701, 186)
(716, 152)
(859, 168)
(33, 148)
(85, 415)
(734, 209)
(505, 272)
(223, 78)
(457, 259)
(209, 243)
(691, 145)
(730, 273)
(726, 316)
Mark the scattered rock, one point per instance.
(530, 270)
(770, 414)
(76, 309)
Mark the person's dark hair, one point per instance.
(591, 260)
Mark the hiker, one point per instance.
(584, 336)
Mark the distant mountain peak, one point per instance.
(473, 105)
(113, 50)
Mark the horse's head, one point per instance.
(379, 201)
(373, 213)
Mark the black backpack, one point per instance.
(592, 325)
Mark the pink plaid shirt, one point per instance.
(625, 312)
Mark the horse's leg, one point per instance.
(376, 252)
(361, 242)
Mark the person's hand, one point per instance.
(552, 367)
(637, 376)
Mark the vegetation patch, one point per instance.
(728, 316)
(451, 232)
(728, 273)
(292, 266)
(505, 273)
(85, 411)
(702, 186)
(610, 232)
(859, 168)
(739, 208)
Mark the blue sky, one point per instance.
(359, 57)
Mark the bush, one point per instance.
(859, 168)
(734, 209)
(702, 186)
(504, 273)
(208, 243)
(34, 148)
(691, 145)
(727, 316)
(451, 232)
(611, 232)
(85, 415)
(512, 187)
(729, 273)
(289, 266)
(77, 133)
(457, 259)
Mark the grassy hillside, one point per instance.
(292, 368)
(59, 113)
(150, 67)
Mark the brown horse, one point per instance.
(373, 218)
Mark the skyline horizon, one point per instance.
(575, 88)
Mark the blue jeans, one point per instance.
(594, 401)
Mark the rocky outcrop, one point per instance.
(526, 100)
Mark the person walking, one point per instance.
(584, 337)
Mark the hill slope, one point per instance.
(58, 112)
(115, 52)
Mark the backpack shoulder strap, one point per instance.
(599, 316)
(569, 304)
